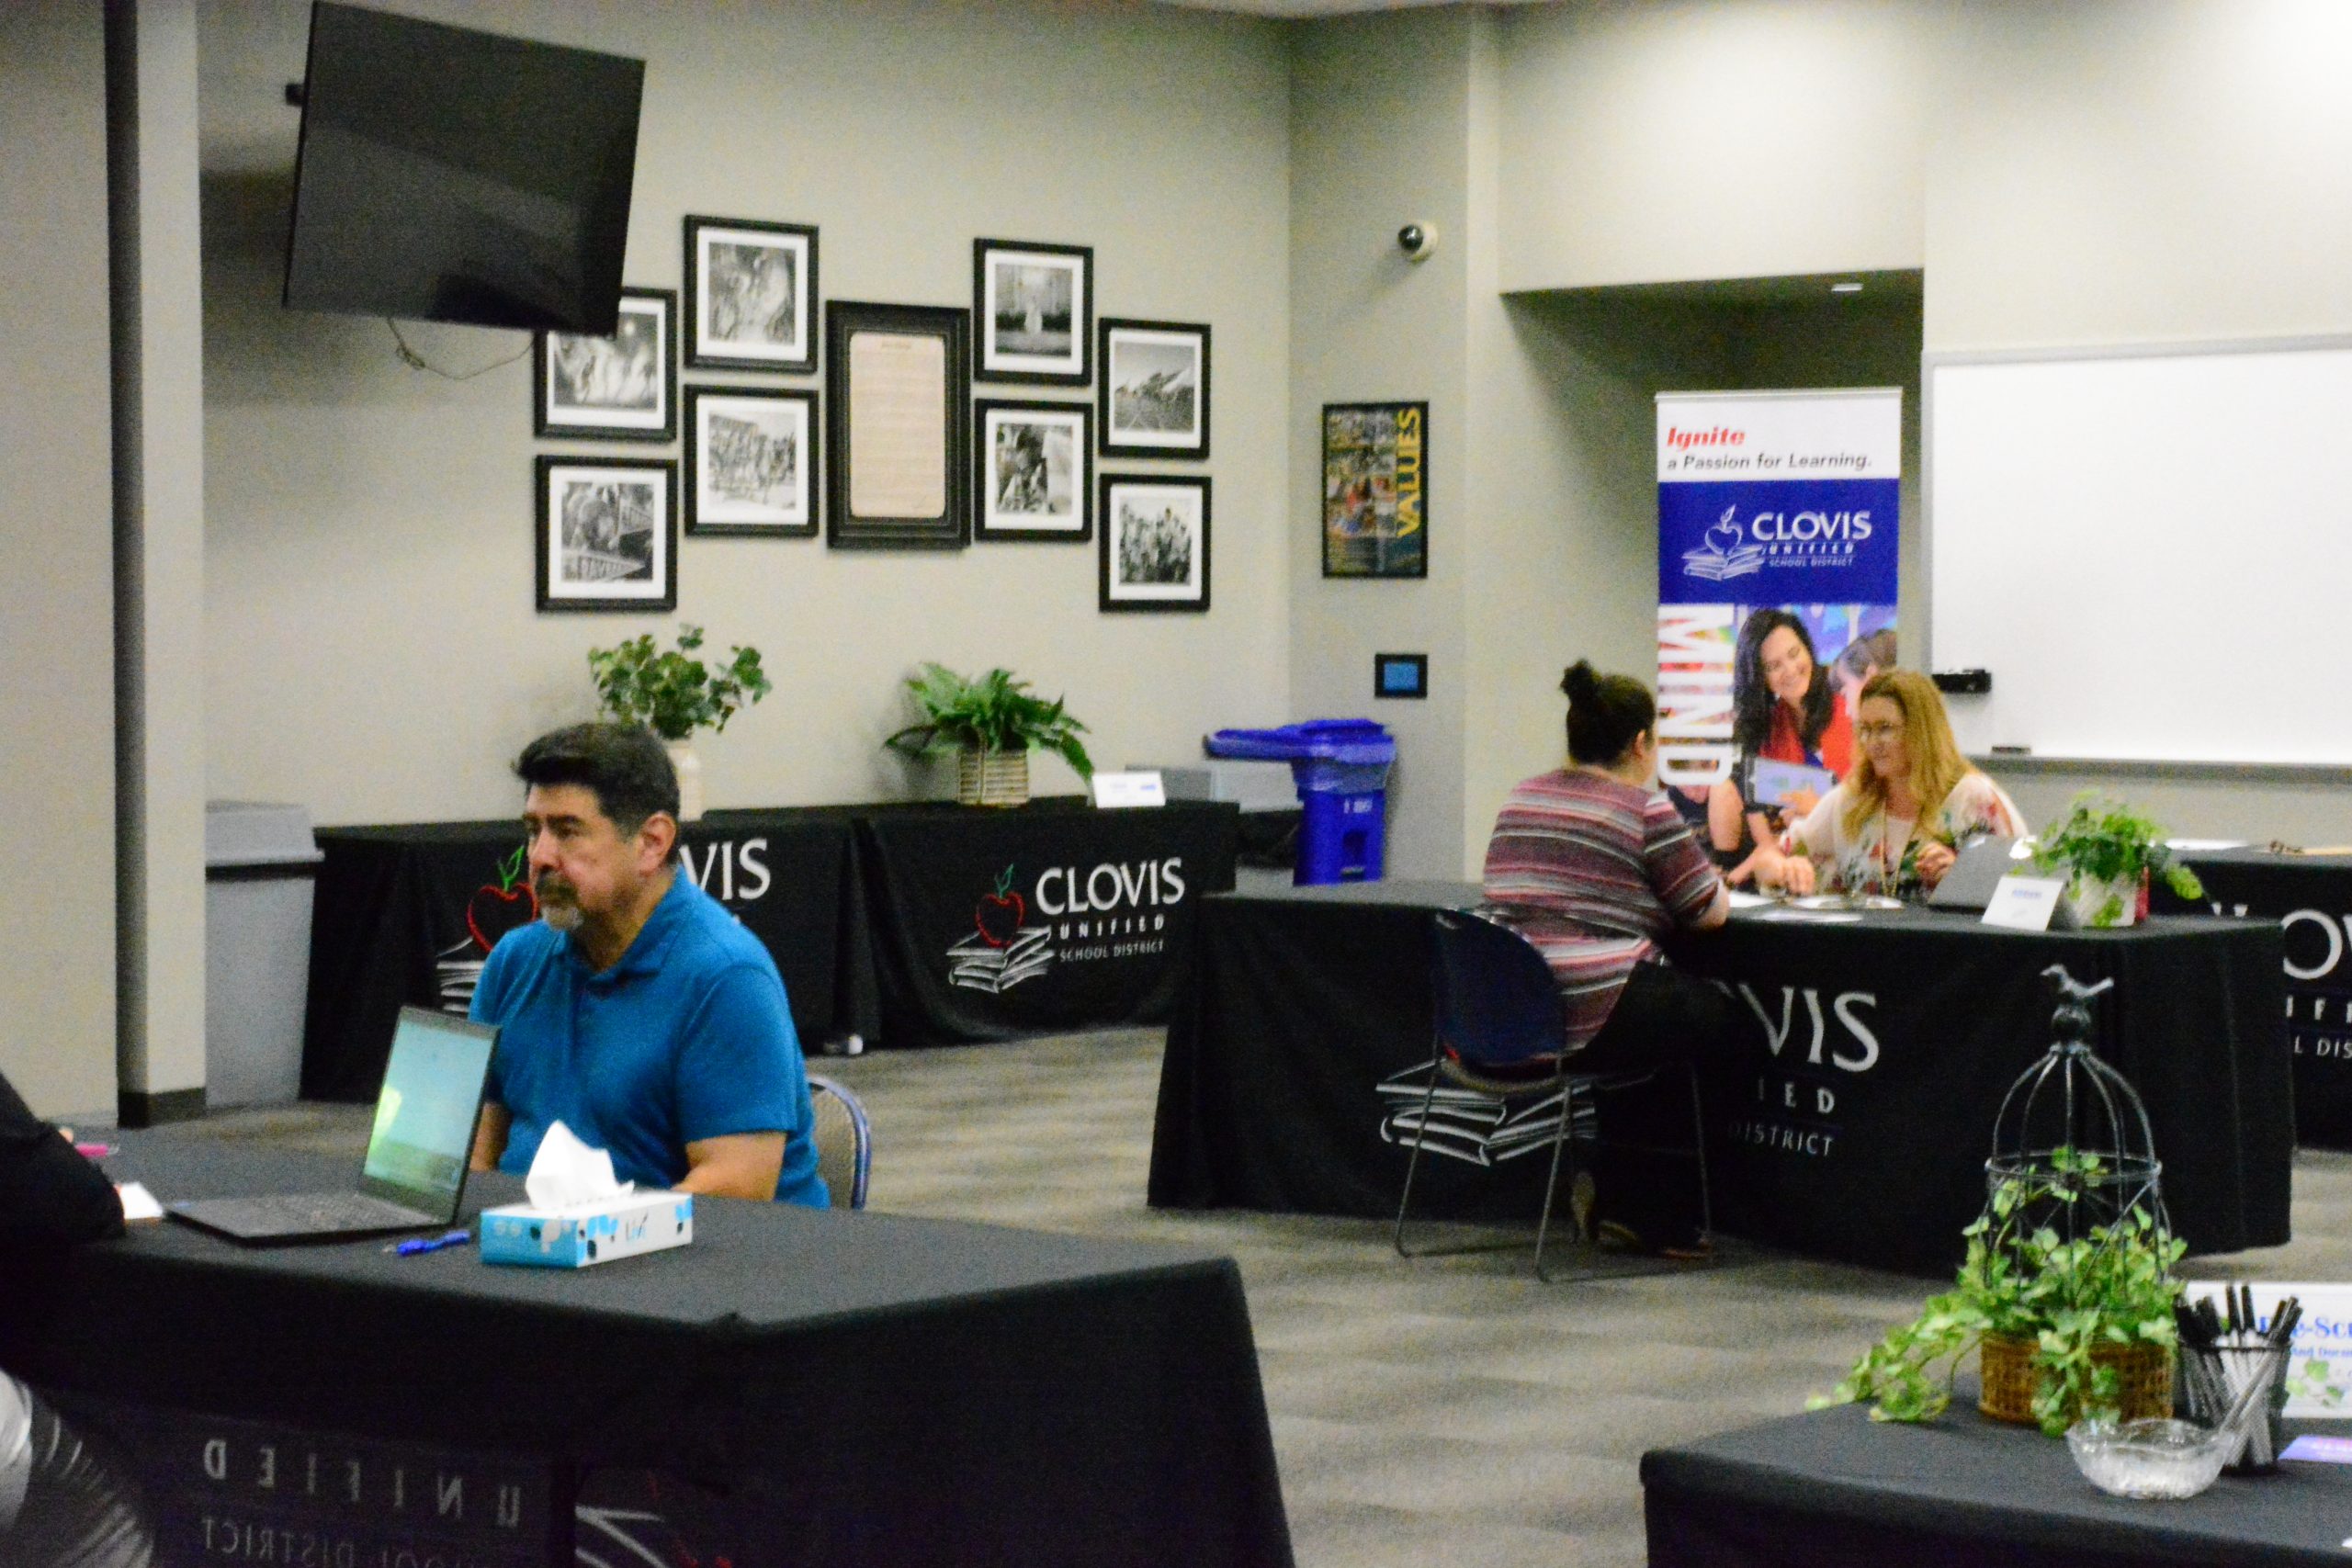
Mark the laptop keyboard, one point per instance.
(335, 1210)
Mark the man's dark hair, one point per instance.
(623, 764)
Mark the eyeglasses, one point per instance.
(1869, 732)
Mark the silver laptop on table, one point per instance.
(414, 1173)
(1981, 864)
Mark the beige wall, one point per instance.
(1694, 138)
(1380, 137)
(372, 648)
(2134, 170)
(56, 620)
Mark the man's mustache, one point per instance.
(554, 886)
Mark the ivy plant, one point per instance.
(2105, 840)
(671, 692)
(995, 713)
(2022, 1279)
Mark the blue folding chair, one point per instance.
(845, 1140)
(1497, 1004)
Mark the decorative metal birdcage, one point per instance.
(2071, 1147)
(2075, 1219)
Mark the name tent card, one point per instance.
(2024, 903)
(1115, 791)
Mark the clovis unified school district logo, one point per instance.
(1003, 949)
(1724, 553)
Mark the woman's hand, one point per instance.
(1740, 874)
(1799, 803)
(1791, 874)
(1932, 861)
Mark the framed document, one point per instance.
(897, 384)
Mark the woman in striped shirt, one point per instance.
(1593, 866)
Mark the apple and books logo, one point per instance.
(1726, 552)
(492, 910)
(1003, 949)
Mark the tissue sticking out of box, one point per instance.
(566, 1172)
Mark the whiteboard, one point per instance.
(2151, 551)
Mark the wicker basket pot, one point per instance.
(991, 778)
(2143, 1373)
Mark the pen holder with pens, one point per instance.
(2215, 1378)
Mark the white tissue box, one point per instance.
(584, 1234)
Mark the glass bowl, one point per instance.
(2148, 1458)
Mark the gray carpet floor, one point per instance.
(1441, 1410)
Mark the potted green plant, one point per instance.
(990, 724)
(2066, 1324)
(673, 692)
(2106, 853)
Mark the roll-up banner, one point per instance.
(1776, 577)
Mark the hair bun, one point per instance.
(1580, 681)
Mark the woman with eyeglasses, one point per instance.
(1893, 826)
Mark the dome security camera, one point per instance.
(1416, 241)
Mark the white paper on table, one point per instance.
(566, 1172)
(2024, 903)
(1741, 899)
(138, 1204)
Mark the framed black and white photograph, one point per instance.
(1034, 466)
(607, 534)
(898, 391)
(1155, 553)
(1154, 396)
(1033, 305)
(751, 462)
(622, 388)
(751, 295)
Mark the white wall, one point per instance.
(1695, 138)
(57, 1000)
(372, 648)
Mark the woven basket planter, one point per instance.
(991, 778)
(2143, 1371)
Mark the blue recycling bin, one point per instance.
(1342, 769)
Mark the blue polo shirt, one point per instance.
(687, 1037)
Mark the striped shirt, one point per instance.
(1593, 871)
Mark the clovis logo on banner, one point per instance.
(1776, 510)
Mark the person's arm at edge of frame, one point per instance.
(489, 1136)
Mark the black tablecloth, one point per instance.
(1833, 1489)
(879, 917)
(990, 925)
(1861, 1137)
(906, 1390)
(2312, 896)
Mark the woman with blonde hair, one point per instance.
(1894, 825)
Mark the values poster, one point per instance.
(1777, 537)
(1376, 490)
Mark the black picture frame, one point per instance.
(1145, 368)
(1126, 583)
(1003, 472)
(619, 387)
(878, 349)
(584, 580)
(736, 440)
(1376, 488)
(1033, 353)
(724, 256)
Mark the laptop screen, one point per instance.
(425, 1116)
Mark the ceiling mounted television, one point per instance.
(453, 175)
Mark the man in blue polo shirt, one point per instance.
(637, 1010)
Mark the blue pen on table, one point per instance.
(415, 1244)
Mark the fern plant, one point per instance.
(995, 713)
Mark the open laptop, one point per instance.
(414, 1173)
(1969, 882)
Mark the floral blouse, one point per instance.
(1883, 856)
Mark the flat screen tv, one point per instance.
(453, 175)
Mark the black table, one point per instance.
(1861, 1135)
(881, 919)
(1833, 1489)
(2312, 895)
(989, 925)
(894, 1390)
